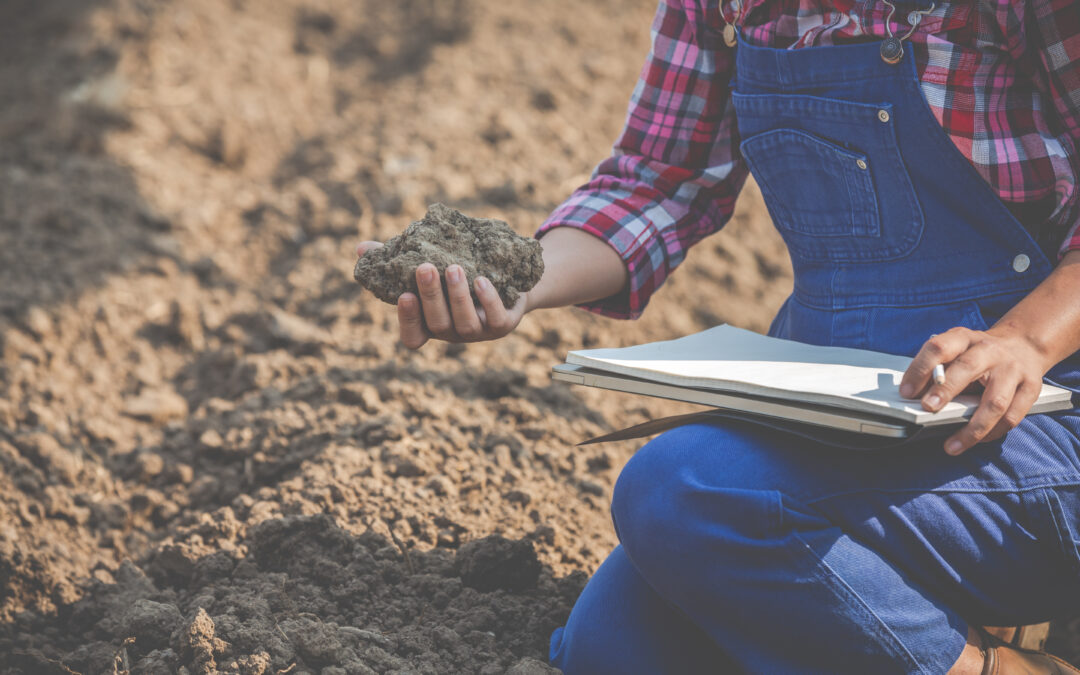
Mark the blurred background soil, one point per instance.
(213, 454)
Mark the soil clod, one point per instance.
(482, 246)
(498, 563)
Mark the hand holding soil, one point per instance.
(482, 247)
(450, 314)
(488, 270)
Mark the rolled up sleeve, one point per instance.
(675, 171)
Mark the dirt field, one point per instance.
(213, 454)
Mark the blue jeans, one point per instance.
(745, 549)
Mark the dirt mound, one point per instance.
(312, 596)
(213, 452)
(481, 246)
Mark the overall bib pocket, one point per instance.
(817, 188)
(832, 176)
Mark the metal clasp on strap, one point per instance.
(730, 30)
(892, 48)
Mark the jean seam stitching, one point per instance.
(1054, 519)
(936, 491)
(1061, 528)
(862, 603)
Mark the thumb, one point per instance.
(365, 246)
(520, 308)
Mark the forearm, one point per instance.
(578, 267)
(1049, 317)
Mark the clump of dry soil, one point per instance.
(482, 246)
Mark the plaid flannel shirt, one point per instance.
(1002, 77)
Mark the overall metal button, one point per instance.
(860, 163)
(892, 50)
(883, 115)
(729, 35)
(1021, 263)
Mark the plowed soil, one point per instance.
(214, 456)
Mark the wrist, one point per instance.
(530, 301)
(1026, 346)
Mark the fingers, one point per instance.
(436, 312)
(496, 318)
(365, 246)
(937, 350)
(1026, 395)
(411, 322)
(410, 319)
(427, 314)
(462, 311)
(966, 369)
(996, 401)
(1011, 378)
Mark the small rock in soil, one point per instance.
(148, 465)
(530, 666)
(482, 246)
(157, 405)
(39, 322)
(151, 623)
(498, 563)
(197, 642)
(291, 329)
(591, 488)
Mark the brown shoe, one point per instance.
(1002, 658)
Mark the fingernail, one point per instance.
(905, 390)
(933, 400)
(483, 284)
(953, 447)
(453, 274)
(427, 275)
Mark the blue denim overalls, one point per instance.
(743, 547)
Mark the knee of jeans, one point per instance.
(580, 656)
(557, 654)
(653, 493)
(662, 502)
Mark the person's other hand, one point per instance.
(1010, 368)
(459, 320)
